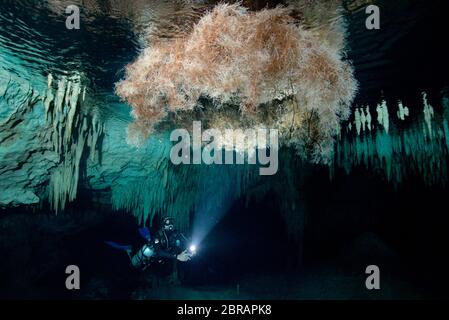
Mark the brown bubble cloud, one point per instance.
(259, 68)
(233, 67)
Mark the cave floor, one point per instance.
(312, 284)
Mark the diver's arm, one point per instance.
(186, 255)
(183, 256)
(164, 254)
(161, 253)
(184, 241)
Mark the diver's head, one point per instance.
(168, 224)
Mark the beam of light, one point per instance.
(209, 213)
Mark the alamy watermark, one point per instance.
(72, 282)
(230, 146)
(373, 280)
(73, 20)
(373, 20)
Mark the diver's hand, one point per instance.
(184, 256)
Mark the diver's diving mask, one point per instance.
(168, 224)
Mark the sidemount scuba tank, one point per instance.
(143, 256)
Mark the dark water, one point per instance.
(407, 56)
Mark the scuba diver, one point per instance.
(167, 245)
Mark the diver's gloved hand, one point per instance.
(184, 256)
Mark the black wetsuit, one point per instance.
(163, 247)
(168, 244)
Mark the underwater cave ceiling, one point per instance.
(63, 128)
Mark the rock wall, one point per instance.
(42, 142)
(53, 144)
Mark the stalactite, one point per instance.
(368, 118)
(428, 115)
(48, 99)
(177, 191)
(382, 116)
(72, 132)
(358, 123)
(421, 148)
(72, 104)
(95, 133)
(363, 119)
(402, 111)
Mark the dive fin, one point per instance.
(145, 233)
(118, 246)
